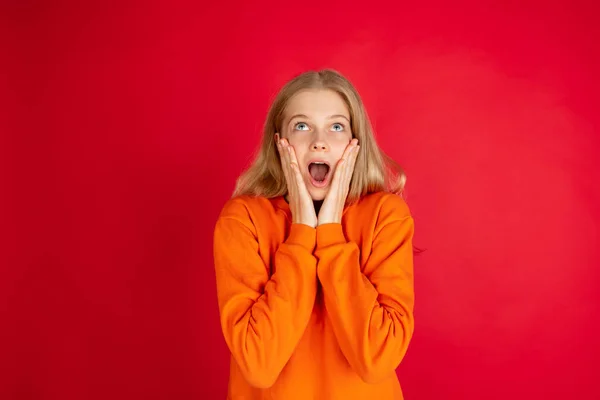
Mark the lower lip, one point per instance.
(320, 184)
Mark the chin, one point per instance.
(318, 194)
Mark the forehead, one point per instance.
(316, 103)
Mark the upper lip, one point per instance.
(318, 160)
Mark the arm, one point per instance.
(263, 317)
(371, 311)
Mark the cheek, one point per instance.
(298, 143)
(339, 147)
(299, 148)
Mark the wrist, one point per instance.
(311, 223)
(324, 221)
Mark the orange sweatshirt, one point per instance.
(307, 313)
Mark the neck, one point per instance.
(316, 203)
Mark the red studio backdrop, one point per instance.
(126, 124)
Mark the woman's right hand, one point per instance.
(301, 204)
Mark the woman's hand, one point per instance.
(333, 205)
(301, 204)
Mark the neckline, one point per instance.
(281, 203)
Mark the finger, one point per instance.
(349, 149)
(283, 155)
(337, 174)
(279, 144)
(294, 176)
(285, 147)
(299, 181)
(345, 170)
(349, 169)
(295, 167)
(292, 153)
(353, 158)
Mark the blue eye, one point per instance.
(338, 127)
(301, 126)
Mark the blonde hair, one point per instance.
(374, 171)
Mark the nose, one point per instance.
(319, 144)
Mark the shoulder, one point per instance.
(236, 207)
(246, 209)
(387, 206)
(390, 215)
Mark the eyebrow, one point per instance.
(339, 116)
(329, 117)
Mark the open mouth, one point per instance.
(319, 173)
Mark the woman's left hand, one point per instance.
(333, 205)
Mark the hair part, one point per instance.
(374, 171)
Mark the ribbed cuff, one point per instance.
(303, 235)
(329, 235)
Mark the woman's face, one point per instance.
(317, 125)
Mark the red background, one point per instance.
(128, 124)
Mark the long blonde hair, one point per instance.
(374, 171)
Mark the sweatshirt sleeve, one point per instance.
(263, 317)
(371, 309)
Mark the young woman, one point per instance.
(313, 254)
